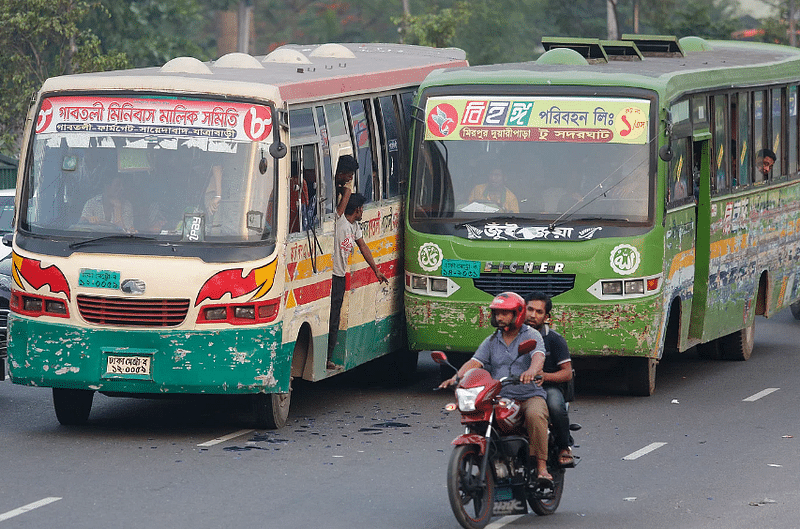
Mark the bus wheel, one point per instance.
(738, 345)
(72, 405)
(795, 310)
(271, 409)
(640, 374)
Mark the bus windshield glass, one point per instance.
(170, 169)
(554, 159)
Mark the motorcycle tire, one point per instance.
(544, 507)
(472, 503)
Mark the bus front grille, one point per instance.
(550, 284)
(133, 312)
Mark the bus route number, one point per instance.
(98, 278)
(128, 365)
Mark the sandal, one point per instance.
(565, 458)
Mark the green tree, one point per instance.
(41, 39)
(151, 32)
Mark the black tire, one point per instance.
(471, 503)
(640, 374)
(546, 507)
(72, 405)
(738, 345)
(271, 410)
(795, 307)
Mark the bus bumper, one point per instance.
(235, 361)
(601, 330)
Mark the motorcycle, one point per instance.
(490, 472)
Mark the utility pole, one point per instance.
(611, 19)
(404, 28)
(244, 15)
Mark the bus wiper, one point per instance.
(490, 219)
(117, 237)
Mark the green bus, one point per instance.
(626, 179)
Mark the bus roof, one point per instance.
(664, 64)
(291, 73)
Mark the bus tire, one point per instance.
(738, 345)
(72, 405)
(271, 410)
(640, 375)
(795, 307)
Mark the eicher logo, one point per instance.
(442, 120)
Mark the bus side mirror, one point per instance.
(665, 152)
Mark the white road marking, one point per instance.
(505, 520)
(646, 450)
(753, 398)
(224, 438)
(25, 508)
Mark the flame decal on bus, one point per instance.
(32, 272)
(259, 281)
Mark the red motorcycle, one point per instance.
(490, 472)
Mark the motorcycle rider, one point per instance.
(557, 371)
(499, 355)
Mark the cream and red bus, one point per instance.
(174, 227)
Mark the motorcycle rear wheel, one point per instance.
(472, 503)
(544, 507)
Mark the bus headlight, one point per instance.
(636, 287)
(436, 286)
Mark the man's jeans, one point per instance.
(558, 416)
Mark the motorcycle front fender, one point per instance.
(471, 439)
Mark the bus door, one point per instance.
(360, 319)
(681, 226)
(700, 181)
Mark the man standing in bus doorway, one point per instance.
(347, 236)
(557, 371)
(765, 159)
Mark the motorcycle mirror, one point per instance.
(439, 357)
(526, 347)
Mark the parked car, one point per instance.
(5, 297)
(6, 216)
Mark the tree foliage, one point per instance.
(41, 39)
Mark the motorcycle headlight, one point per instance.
(466, 397)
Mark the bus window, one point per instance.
(364, 141)
(326, 177)
(301, 123)
(390, 139)
(407, 98)
(338, 141)
(758, 130)
(744, 151)
(777, 128)
(720, 142)
(679, 171)
(791, 143)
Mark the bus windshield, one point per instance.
(203, 179)
(554, 175)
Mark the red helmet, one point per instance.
(509, 301)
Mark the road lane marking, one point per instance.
(224, 438)
(646, 450)
(505, 520)
(25, 508)
(753, 398)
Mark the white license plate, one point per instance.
(128, 365)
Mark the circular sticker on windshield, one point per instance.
(625, 259)
(631, 123)
(429, 256)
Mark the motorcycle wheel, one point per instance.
(472, 503)
(544, 507)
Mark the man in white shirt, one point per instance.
(346, 237)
